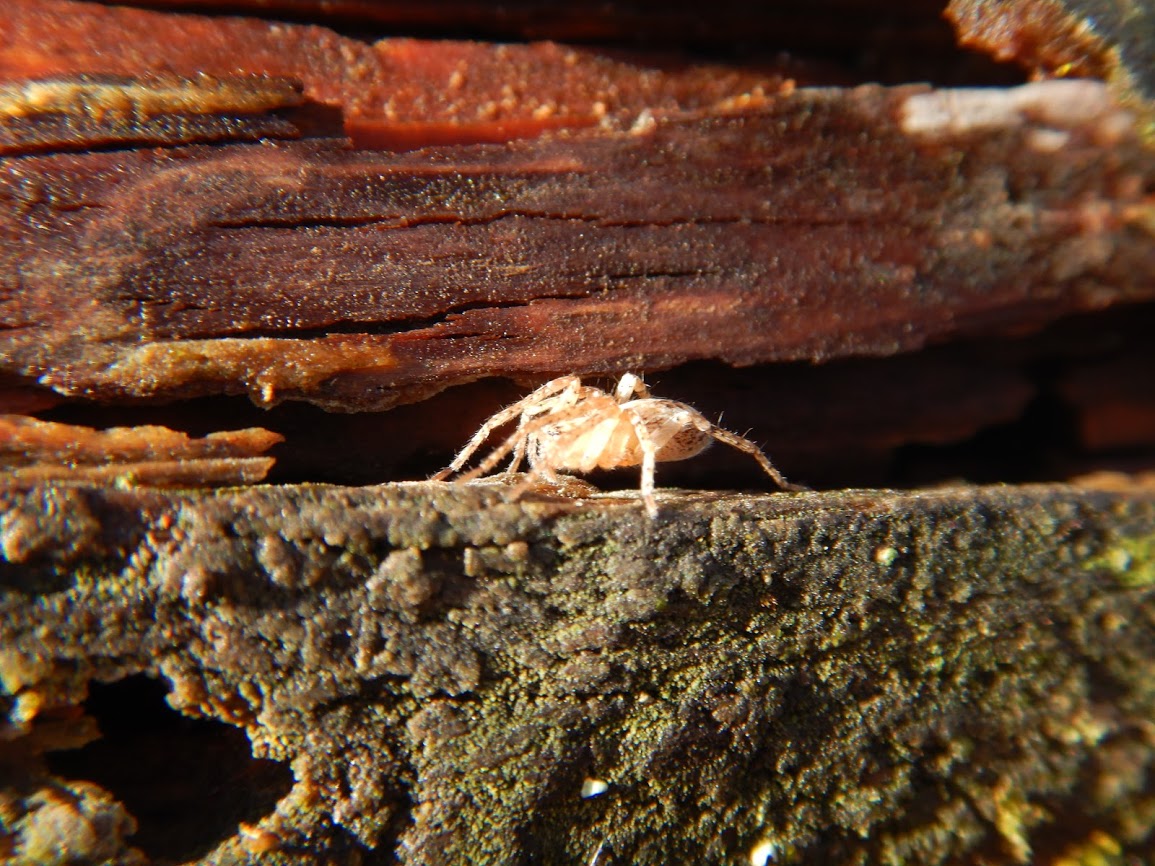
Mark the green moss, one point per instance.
(1130, 559)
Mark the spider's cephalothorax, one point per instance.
(565, 426)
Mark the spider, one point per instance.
(565, 426)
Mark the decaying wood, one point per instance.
(358, 280)
(1065, 37)
(393, 93)
(896, 42)
(855, 677)
(269, 215)
(34, 451)
(88, 112)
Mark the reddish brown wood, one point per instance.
(858, 40)
(817, 225)
(394, 93)
(34, 451)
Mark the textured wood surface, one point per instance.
(217, 229)
(784, 231)
(853, 677)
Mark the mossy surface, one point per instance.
(859, 677)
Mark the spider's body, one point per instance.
(565, 426)
(583, 442)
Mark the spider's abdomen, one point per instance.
(608, 438)
(684, 444)
(670, 426)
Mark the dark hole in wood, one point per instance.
(188, 782)
(940, 415)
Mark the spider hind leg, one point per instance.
(741, 443)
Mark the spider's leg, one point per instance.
(520, 440)
(524, 441)
(548, 474)
(518, 452)
(743, 444)
(629, 386)
(513, 442)
(649, 462)
(539, 472)
(519, 447)
(549, 389)
(539, 450)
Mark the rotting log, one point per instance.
(852, 677)
(358, 280)
(213, 205)
(645, 216)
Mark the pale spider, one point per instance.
(566, 426)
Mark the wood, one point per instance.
(226, 241)
(442, 669)
(359, 280)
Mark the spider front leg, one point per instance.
(515, 442)
(527, 441)
(518, 451)
(522, 406)
(532, 477)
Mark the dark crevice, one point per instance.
(188, 782)
(409, 325)
(1033, 447)
(305, 223)
(906, 421)
(394, 221)
(650, 274)
(92, 145)
(472, 335)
